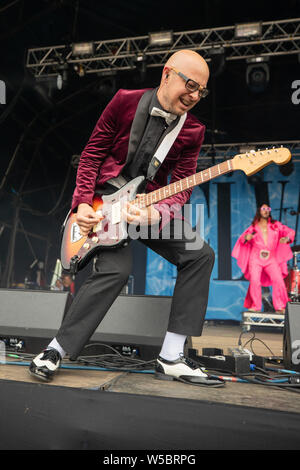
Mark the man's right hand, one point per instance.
(86, 218)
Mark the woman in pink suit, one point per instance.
(262, 252)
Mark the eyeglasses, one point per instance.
(191, 85)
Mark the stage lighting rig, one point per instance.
(257, 74)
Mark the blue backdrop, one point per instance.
(227, 291)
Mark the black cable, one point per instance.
(261, 341)
(118, 362)
(241, 334)
(251, 340)
(115, 361)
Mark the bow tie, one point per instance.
(169, 117)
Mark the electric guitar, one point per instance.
(111, 231)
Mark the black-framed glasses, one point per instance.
(191, 85)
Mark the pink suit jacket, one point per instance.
(105, 154)
(282, 252)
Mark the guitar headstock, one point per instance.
(252, 161)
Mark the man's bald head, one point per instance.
(188, 58)
(172, 93)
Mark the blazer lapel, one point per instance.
(139, 123)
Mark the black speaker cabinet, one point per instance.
(31, 318)
(135, 325)
(291, 337)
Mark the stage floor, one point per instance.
(214, 336)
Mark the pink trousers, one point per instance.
(279, 293)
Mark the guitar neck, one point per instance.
(185, 183)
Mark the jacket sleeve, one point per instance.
(95, 152)
(286, 231)
(242, 249)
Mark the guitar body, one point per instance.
(110, 232)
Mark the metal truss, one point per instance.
(277, 38)
(262, 319)
(224, 151)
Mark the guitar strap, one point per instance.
(164, 147)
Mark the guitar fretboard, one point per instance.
(184, 184)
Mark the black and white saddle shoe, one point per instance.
(184, 370)
(45, 365)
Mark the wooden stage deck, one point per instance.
(222, 336)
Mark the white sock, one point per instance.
(55, 345)
(172, 346)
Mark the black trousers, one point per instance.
(184, 248)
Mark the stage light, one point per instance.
(80, 49)
(79, 69)
(140, 58)
(62, 77)
(47, 87)
(140, 63)
(163, 38)
(257, 74)
(248, 30)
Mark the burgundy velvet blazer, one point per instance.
(105, 154)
